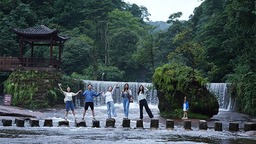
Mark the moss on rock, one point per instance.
(35, 89)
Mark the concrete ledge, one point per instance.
(154, 124)
(169, 124)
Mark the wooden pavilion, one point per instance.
(35, 36)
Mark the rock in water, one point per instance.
(110, 122)
(154, 123)
(64, 123)
(7, 122)
(95, 123)
(48, 123)
(80, 123)
(169, 124)
(139, 123)
(126, 123)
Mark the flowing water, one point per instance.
(102, 135)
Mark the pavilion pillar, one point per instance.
(60, 50)
(32, 50)
(51, 49)
(21, 50)
(32, 53)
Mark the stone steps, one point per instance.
(110, 122)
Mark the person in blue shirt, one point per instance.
(88, 99)
(185, 108)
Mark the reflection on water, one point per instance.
(70, 135)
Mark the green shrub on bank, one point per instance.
(36, 89)
(173, 82)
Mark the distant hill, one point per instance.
(160, 25)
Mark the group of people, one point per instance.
(89, 95)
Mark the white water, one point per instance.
(221, 91)
(134, 86)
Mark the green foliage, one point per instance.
(32, 89)
(111, 73)
(173, 82)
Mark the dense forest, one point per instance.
(115, 38)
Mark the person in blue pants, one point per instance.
(127, 97)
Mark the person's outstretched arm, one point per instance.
(113, 89)
(61, 88)
(77, 92)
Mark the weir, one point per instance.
(99, 86)
(223, 94)
(220, 90)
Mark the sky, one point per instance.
(160, 10)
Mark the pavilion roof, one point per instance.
(40, 32)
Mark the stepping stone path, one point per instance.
(202, 125)
(48, 123)
(139, 123)
(233, 126)
(218, 126)
(64, 123)
(187, 125)
(154, 124)
(110, 122)
(7, 122)
(80, 123)
(95, 123)
(126, 123)
(169, 124)
(19, 122)
(34, 122)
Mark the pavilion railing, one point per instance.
(12, 63)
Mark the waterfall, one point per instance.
(221, 91)
(99, 86)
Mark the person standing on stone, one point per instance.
(68, 100)
(89, 94)
(127, 96)
(143, 102)
(109, 101)
(185, 108)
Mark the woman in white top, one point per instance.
(68, 100)
(109, 101)
(143, 102)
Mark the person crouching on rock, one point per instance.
(68, 100)
(185, 108)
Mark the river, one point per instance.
(102, 135)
